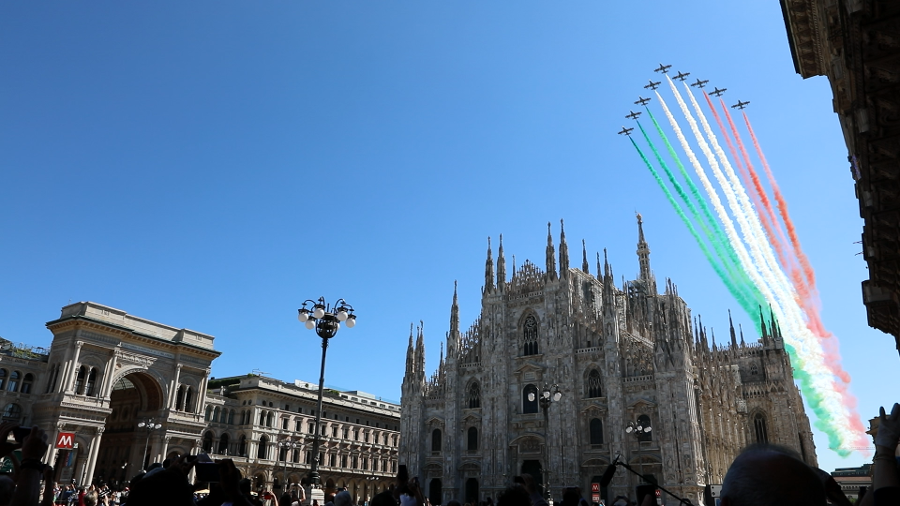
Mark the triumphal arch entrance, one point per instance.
(131, 391)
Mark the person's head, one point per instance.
(571, 496)
(343, 498)
(90, 499)
(771, 475)
(7, 487)
(383, 499)
(244, 487)
(514, 496)
(168, 486)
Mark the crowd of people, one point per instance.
(761, 475)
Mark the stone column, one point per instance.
(73, 368)
(106, 390)
(201, 395)
(165, 448)
(173, 388)
(92, 456)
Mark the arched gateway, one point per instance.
(108, 371)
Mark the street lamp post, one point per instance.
(326, 319)
(548, 395)
(287, 444)
(638, 431)
(149, 426)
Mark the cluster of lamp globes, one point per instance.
(149, 425)
(546, 395)
(343, 314)
(637, 428)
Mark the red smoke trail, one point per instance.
(806, 289)
(782, 210)
(757, 195)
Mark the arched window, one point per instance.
(223, 416)
(530, 399)
(759, 427)
(179, 398)
(91, 381)
(27, 382)
(231, 417)
(474, 396)
(242, 446)
(216, 414)
(54, 370)
(646, 435)
(223, 444)
(593, 384)
(262, 418)
(472, 443)
(14, 381)
(79, 380)
(12, 413)
(754, 370)
(596, 431)
(530, 336)
(270, 420)
(2, 378)
(188, 399)
(263, 451)
(208, 442)
(208, 413)
(436, 440)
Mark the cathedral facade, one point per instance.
(608, 358)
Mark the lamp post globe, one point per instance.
(326, 320)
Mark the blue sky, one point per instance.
(211, 165)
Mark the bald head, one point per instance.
(762, 475)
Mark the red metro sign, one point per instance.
(65, 440)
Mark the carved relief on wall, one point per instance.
(530, 445)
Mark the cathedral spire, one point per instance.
(420, 350)
(551, 255)
(489, 270)
(501, 267)
(741, 329)
(454, 314)
(584, 263)
(731, 329)
(599, 269)
(563, 251)
(643, 252)
(762, 330)
(410, 353)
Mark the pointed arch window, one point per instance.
(593, 384)
(2, 378)
(208, 442)
(188, 399)
(530, 336)
(79, 380)
(27, 382)
(474, 396)
(760, 429)
(263, 451)
(223, 444)
(530, 399)
(472, 439)
(754, 370)
(242, 446)
(596, 431)
(436, 440)
(14, 381)
(179, 398)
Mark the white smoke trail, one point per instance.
(782, 295)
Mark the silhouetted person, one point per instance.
(772, 476)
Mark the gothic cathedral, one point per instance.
(561, 362)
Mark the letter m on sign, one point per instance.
(65, 440)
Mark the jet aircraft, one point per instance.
(626, 131)
(633, 115)
(717, 92)
(700, 83)
(663, 68)
(682, 75)
(740, 105)
(641, 100)
(652, 85)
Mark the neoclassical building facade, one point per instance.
(106, 372)
(616, 354)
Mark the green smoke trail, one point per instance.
(721, 244)
(709, 257)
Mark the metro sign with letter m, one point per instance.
(65, 440)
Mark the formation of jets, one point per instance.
(681, 76)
